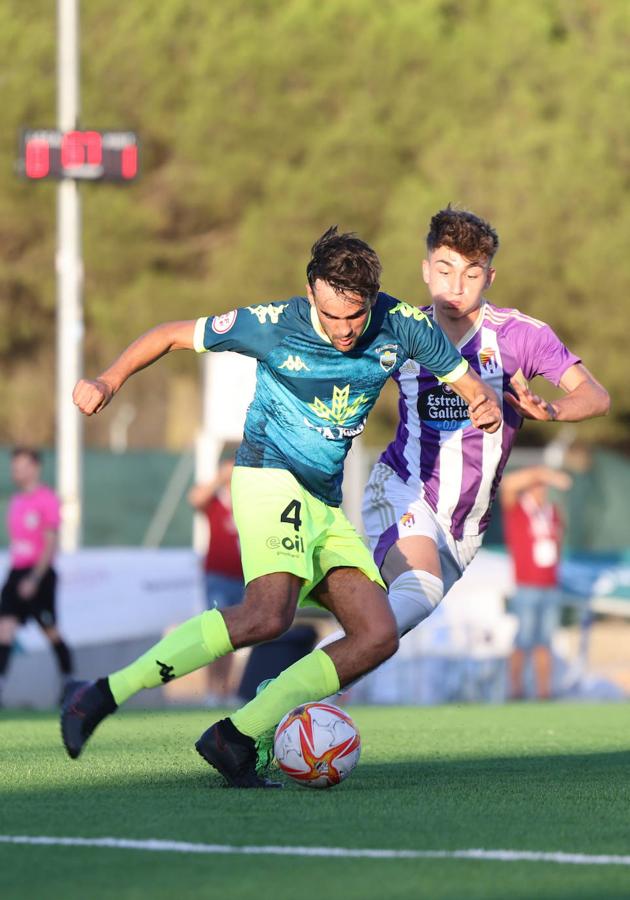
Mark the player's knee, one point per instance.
(413, 596)
(381, 641)
(273, 625)
(389, 644)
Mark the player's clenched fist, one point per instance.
(91, 396)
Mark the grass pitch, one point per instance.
(550, 778)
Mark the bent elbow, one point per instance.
(605, 403)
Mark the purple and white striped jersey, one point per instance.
(456, 467)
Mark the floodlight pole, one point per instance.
(69, 269)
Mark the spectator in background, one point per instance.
(223, 572)
(533, 533)
(29, 591)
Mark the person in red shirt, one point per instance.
(222, 568)
(29, 591)
(533, 533)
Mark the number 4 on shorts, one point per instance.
(292, 514)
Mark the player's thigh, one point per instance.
(347, 580)
(266, 611)
(402, 532)
(418, 553)
(278, 522)
(338, 546)
(359, 604)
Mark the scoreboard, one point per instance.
(82, 155)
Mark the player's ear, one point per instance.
(490, 277)
(425, 271)
(310, 294)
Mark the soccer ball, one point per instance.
(317, 745)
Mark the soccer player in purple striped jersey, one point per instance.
(429, 498)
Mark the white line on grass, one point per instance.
(571, 859)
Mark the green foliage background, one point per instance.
(264, 122)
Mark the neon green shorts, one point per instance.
(283, 528)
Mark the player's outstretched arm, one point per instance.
(483, 404)
(585, 398)
(93, 395)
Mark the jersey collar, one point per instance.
(474, 328)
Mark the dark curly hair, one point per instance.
(346, 263)
(463, 232)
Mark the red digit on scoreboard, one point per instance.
(37, 158)
(81, 147)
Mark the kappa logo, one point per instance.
(270, 310)
(294, 364)
(166, 671)
(488, 359)
(339, 410)
(410, 312)
(223, 323)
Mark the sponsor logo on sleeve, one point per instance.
(410, 312)
(223, 323)
(269, 311)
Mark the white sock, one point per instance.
(413, 597)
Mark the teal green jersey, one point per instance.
(311, 400)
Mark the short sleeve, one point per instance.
(425, 342)
(543, 353)
(250, 330)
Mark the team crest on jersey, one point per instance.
(488, 359)
(408, 520)
(223, 323)
(388, 356)
(271, 311)
(340, 410)
(410, 312)
(294, 364)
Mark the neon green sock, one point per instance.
(309, 679)
(191, 645)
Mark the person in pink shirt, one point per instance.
(29, 591)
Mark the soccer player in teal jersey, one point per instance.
(322, 361)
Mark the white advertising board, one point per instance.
(106, 595)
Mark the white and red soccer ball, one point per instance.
(317, 745)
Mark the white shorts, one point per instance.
(393, 510)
